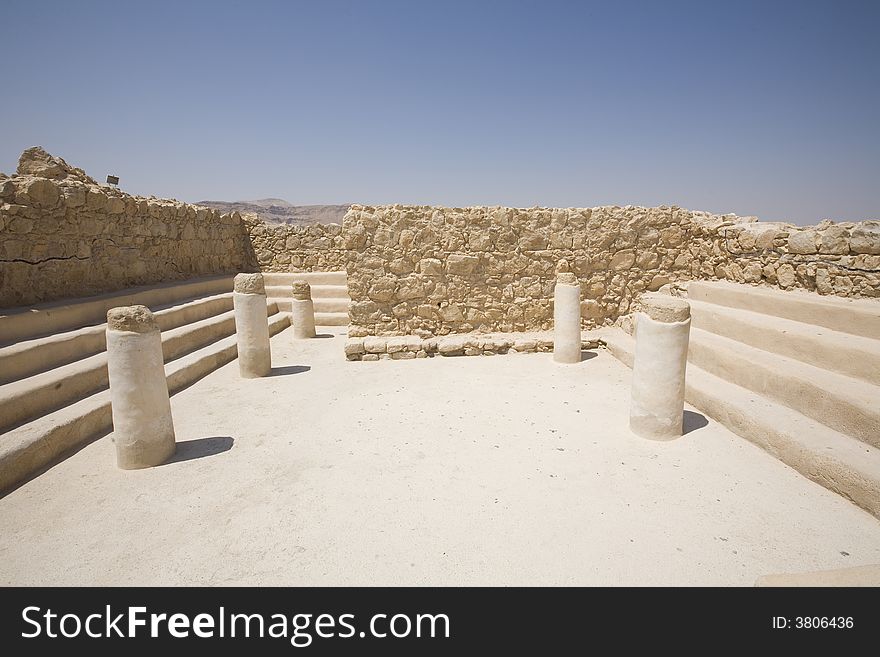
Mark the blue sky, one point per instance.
(765, 108)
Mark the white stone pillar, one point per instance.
(567, 319)
(302, 311)
(142, 427)
(251, 326)
(662, 333)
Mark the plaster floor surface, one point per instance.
(503, 470)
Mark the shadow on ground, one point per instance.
(288, 369)
(325, 335)
(693, 421)
(188, 450)
(587, 355)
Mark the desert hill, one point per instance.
(279, 211)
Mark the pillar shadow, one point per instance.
(288, 369)
(188, 450)
(693, 421)
(325, 335)
(587, 355)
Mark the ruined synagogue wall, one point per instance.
(839, 259)
(62, 235)
(286, 248)
(430, 271)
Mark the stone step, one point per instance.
(331, 319)
(321, 318)
(330, 292)
(29, 357)
(31, 397)
(194, 310)
(192, 367)
(855, 576)
(311, 277)
(331, 306)
(848, 354)
(179, 341)
(832, 459)
(844, 403)
(318, 291)
(26, 323)
(43, 393)
(856, 316)
(28, 449)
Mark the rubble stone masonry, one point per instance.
(430, 271)
(319, 247)
(62, 235)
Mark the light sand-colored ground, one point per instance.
(493, 470)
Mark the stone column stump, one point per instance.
(251, 326)
(302, 311)
(142, 427)
(658, 377)
(567, 319)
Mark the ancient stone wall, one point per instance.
(426, 271)
(63, 235)
(282, 248)
(412, 270)
(841, 259)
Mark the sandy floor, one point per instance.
(476, 471)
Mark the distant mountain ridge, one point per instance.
(279, 211)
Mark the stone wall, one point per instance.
(412, 270)
(426, 271)
(282, 248)
(841, 259)
(63, 235)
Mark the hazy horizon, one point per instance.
(765, 109)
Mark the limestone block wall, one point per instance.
(62, 235)
(428, 271)
(319, 247)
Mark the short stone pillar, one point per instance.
(251, 326)
(567, 319)
(142, 426)
(302, 311)
(662, 332)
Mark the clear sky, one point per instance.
(765, 108)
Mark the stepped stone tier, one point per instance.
(328, 290)
(54, 392)
(794, 372)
